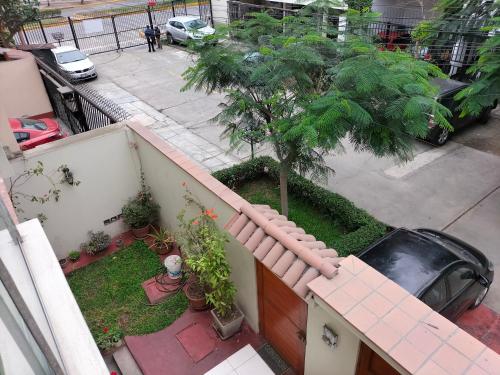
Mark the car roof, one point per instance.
(64, 49)
(447, 86)
(409, 259)
(184, 18)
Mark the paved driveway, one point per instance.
(455, 188)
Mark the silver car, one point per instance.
(183, 28)
(74, 64)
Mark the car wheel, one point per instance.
(439, 136)
(170, 40)
(480, 297)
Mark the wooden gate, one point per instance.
(370, 363)
(283, 317)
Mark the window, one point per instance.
(460, 279)
(435, 297)
(195, 24)
(21, 136)
(70, 56)
(32, 124)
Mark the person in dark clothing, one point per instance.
(150, 38)
(158, 36)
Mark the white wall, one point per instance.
(104, 163)
(320, 358)
(166, 178)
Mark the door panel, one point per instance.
(370, 363)
(283, 317)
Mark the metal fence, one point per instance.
(80, 107)
(108, 32)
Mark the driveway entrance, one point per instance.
(283, 318)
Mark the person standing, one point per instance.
(150, 36)
(158, 36)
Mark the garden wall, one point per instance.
(103, 162)
(166, 178)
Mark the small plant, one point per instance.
(98, 242)
(74, 255)
(141, 210)
(108, 337)
(163, 241)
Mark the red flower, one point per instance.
(211, 214)
(105, 329)
(113, 373)
(196, 222)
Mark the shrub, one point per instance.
(49, 13)
(363, 228)
(108, 337)
(98, 241)
(74, 255)
(141, 210)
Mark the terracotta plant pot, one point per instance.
(140, 232)
(162, 250)
(229, 326)
(196, 302)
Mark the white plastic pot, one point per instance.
(173, 264)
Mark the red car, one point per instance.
(30, 133)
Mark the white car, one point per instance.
(182, 28)
(74, 64)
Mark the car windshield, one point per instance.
(195, 24)
(70, 56)
(33, 124)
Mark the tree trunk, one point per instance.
(284, 169)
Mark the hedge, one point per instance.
(49, 13)
(363, 228)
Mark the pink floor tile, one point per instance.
(196, 341)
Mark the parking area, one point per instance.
(455, 188)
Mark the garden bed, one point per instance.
(330, 217)
(112, 300)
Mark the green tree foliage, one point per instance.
(13, 14)
(306, 91)
(359, 5)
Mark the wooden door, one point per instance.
(370, 363)
(283, 317)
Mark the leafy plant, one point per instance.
(74, 255)
(14, 14)
(162, 239)
(99, 241)
(141, 210)
(108, 337)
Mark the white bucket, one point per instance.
(173, 264)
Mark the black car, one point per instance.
(444, 272)
(448, 88)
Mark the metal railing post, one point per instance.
(73, 32)
(173, 9)
(43, 31)
(211, 13)
(81, 115)
(116, 34)
(149, 17)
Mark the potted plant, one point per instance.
(173, 264)
(63, 262)
(98, 242)
(109, 339)
(163, 241)
(74, 256)
(141, 211)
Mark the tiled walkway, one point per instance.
(245, 361)
(162, 352)
(205, 153)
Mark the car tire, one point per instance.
(480, 297)
(439, 136)
(170, 39)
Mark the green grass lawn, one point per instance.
(109, 293)
(319, 224)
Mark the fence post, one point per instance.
(73, 32)
(116, 34)
(43, 31)
(173, 9)
(25, 39)
(211, 12)
(149, 17)
(185, 8)
(81, 115)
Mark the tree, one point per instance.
(306, 91)
(14, 14)
(360, 5)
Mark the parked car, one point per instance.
(183, 28)
(31, 133)
(447, 274)
(448, 88)
(74, 64)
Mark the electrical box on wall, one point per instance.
(112, 219)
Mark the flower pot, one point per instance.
(63, 262)
(173, 264)
(227, 327)
(140, 232)
(196, 297)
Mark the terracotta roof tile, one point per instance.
(284, 248)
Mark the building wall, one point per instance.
(320, 358)
(166, 178)
(7, 139)
(104, 163)
(22, 92)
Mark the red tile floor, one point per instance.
(484, 324)
(189, 346)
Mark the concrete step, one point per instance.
(126, 362)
